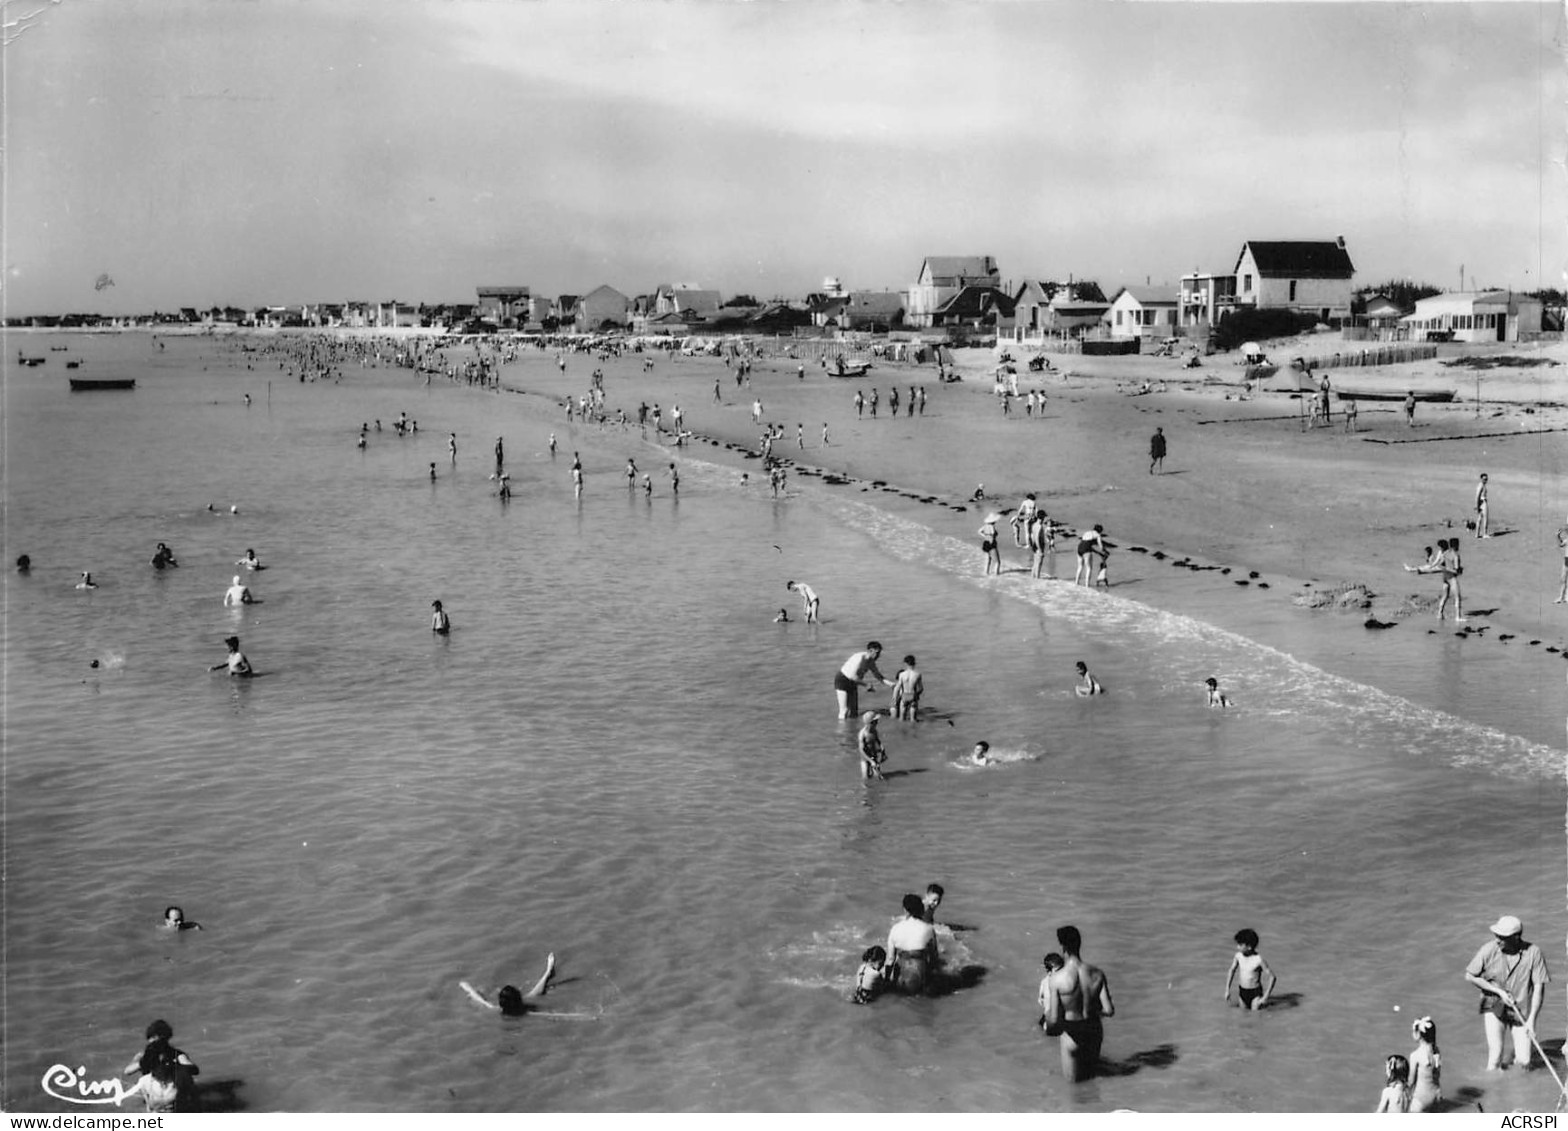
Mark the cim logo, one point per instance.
(61, 1082)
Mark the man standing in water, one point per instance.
(847, 681)
(1076, 998)
(1511, 975)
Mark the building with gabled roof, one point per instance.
(600, 306)
(1137, 312)
(941, 278)
(1310, 276)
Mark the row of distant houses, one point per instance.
(954, 294)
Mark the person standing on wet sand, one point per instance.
(1482, 530)
(1076, 998)
(1157, 451)
(847, 680)
(1410, 409)
(1562, 546)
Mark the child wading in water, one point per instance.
(868, 979)
(1248, 970)
(869, 744)
(1217, 698)
(907, 689)
(1426, 1067)
(1396, 1093)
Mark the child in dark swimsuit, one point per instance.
(1248, 970)
(868, 979)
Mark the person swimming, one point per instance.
(163, 556)
(512, 1002)
(250, 561)
(174, 920)
(87, 581)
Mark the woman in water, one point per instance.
(511, 1001)
(911, 950)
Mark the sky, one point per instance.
(254, 152)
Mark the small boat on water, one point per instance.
(94, 384)
(73, 365)
(1433, 396)
(23, 359)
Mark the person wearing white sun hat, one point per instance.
(1511, 975)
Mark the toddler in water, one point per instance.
(979, 756)
(868, 979)
(782, 618)
(1426, 1067)
(1248, 970)
(1396, 1093)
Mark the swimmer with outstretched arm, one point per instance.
(512, 1001)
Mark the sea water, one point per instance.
(618, 757)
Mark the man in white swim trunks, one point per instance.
(847, 680)
(809, 599)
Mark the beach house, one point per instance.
(1205, 296)
(1048, 309)
(1475, 316)
(1137, 312)
(941, 278)
(1309, 276)
(877, 311)
(691, 302)
(600, 308)
(505, 306)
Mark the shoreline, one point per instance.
(1296, 510)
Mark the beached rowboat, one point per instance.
(1435, 396)
(93, 384)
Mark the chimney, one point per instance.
(1340, 240)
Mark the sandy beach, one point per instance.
(1247, 489)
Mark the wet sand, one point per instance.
(1249, 497)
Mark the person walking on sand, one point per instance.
(1482, 530)
(847, 681)
(1562, 546)
(1077, 998)
(1157, 451)
(1445, 561)
(1023, 518)
(1511, 975)
(824, 433)
(1410, 409)
(451, 446)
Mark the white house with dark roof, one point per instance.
(941, 278)
(1310, 276)
(1137, 312)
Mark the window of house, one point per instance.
(1246, 284)
(1118, 318)
(1293, 290)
